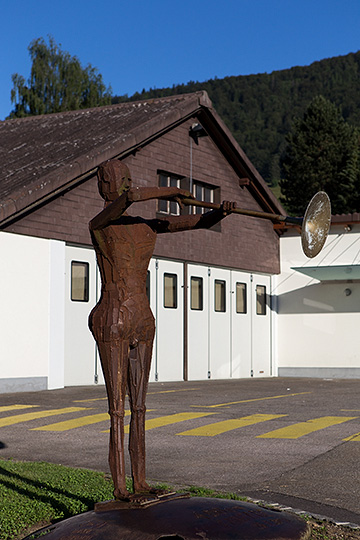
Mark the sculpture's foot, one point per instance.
(145, 489)
(141, 498)
(121, 494)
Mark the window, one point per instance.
(79, 281)
(170, 291)
(220, 301)
(241, 306)
(168, 207)
(260, 300)
(196, 293)
(202, 192)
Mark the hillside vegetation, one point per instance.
(259, 109)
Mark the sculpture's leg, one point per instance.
(139, 370)
(114, 359)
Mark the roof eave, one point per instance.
(221, 134)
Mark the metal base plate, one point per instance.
(182, 519)
(141, 501)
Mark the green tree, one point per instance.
(322, 153)
(259, 109)
(57, 83)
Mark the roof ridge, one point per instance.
(123, 104)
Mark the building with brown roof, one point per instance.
(49, 280)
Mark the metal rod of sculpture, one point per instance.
(314, 225)
(122, 322)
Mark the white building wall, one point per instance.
(318, 325)
(24, 313)
(46, 343)
(56, 314)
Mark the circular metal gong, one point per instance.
(316, 224)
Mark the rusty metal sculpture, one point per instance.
(123, 326)
(122, 322)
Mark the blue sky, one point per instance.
(138, 44)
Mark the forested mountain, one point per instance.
(259, 109)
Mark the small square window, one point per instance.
(241, 306)
(220, 299)
(203, 192)
(170, 291)
(174, 207)
(79, 281)
(260, 300)
(163, 205)
(196, 293)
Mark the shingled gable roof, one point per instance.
(43, 156)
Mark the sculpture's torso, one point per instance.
(123, 253)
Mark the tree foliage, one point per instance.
(322, 155)
(57, 83)
(260, 109)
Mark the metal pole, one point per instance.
(251, 213)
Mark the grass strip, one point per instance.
(39, 493)
(35, 494)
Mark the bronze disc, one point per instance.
(316, 224)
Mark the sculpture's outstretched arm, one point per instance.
(168, 193)
(193, 221)
(114, 210)
(111, 212)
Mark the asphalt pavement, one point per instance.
(291, 441)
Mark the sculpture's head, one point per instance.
(113, 179)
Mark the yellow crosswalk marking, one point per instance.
(74, 423)
(249, 400)
(170, 419)
(296, 431)
(78, 422)
(355, 437)
(217, 428)
(6, 408)
(26, 417)
(126, 428)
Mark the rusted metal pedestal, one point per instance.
(181, 519)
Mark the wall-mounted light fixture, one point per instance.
(196, 131)
(347, 292)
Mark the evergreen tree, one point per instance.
(259, 109)
(322, 154)
(57, 83)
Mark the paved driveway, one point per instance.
(291, 441)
